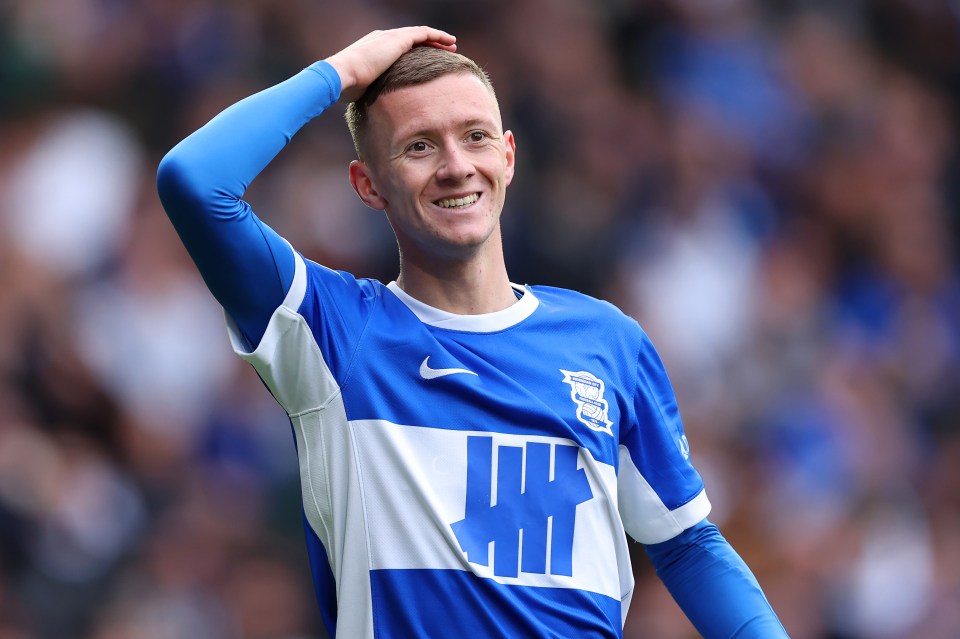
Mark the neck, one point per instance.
(465, 287)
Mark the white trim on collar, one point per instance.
(482, 323)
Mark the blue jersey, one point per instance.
(479, 468)
(459, 472)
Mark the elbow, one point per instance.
(184, 187)
(173, 178)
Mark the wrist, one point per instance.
(331, 76)
(345, 79)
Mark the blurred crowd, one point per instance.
(772, 188)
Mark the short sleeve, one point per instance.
(311, 339)
(660, 492)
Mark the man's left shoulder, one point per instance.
(578, 306)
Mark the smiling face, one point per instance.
(438, 163)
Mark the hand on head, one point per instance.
(363, 61)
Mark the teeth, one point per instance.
(458, 202)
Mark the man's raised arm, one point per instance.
(246, 265)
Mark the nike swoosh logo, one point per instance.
(432, 373)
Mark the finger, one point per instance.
(434, 37)
(437, 45)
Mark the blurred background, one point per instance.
(771, 188)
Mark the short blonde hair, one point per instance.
(417, 66)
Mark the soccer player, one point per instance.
(471, 450)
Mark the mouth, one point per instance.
(457, 202)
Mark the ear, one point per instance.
(511, 145)
(362, 183)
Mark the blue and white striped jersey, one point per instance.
(467, 475)
(475, 471)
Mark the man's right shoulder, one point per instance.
(337, 282)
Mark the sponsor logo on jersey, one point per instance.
(684, 446)
(586, 391)
(523, 502)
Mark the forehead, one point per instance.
(445, 103)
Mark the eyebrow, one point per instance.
(466, 124)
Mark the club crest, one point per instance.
(586, 391)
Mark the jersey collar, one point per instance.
(482, 323)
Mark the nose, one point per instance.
(455, 164)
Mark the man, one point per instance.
(471, 450)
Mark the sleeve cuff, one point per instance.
(326, 71)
